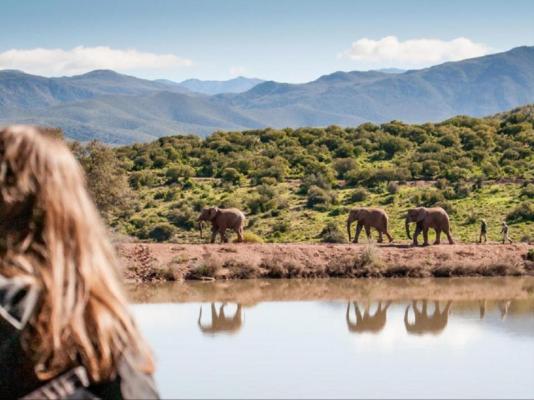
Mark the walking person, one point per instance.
(65, 327)
(504, 233)
(483, 231)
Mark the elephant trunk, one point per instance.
(349, 222)
(200, 228)
(407, 223)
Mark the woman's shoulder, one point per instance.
(130, 383)
(18, 299)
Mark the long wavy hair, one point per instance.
(51, 233)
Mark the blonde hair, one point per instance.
(51, 232)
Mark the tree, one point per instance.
(106, 180)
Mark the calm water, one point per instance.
(289, 339)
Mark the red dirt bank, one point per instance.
(151, 261)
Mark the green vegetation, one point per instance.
(296, 185)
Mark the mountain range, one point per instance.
(120, 109)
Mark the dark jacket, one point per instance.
(18, 302)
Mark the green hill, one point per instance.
(292, 183)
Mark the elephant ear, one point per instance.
(421, 214)
(213, 212)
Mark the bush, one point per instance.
(318, 180)
(162, 232)
(250, 237)
(528, 191)
(232, 176)
(359, 194)
(332, 234)
(392, 187)
(281, 226)
(184, 218)
(523, 212)
(319, 199)
(344, 165)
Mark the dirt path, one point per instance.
(151, 261)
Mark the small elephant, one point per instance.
(369, 218)
(222, 219)
(426, 218)
(220, 322)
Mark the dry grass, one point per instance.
(238, 261)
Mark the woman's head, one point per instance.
(51, 232)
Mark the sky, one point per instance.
(282, 40)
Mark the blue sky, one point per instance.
(291, 40)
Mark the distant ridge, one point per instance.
(121, 109)
(235, 85)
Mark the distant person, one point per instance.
(504, 233)
(65, 328)
(483, 231)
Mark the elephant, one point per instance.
(369, 218)
(425, 323)
(222, 219)
(367, 322)
(426, 218)
(220, 323)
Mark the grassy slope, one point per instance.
(302, 224)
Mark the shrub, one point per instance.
(332, 234)
(232, 176)
(184, 218)
(359, 194)
(523, 212)
(281, 226)
(530, 254)
(392, 187)
(208, 267)
(250, 237)
(344, 165)
(317, 180)
(528, 191)
(319, 199)
(162, 232)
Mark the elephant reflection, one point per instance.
(367, 322)
(220, 323)
(423, 321)
(503, 305)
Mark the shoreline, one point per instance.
(153, 262)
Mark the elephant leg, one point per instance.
(213, 235)
(418, 229)
(368, 232)
(222, 233)
(425, 236)
(240, 235)
(448, 233)
(388, 236)
(438, 236)
(380, 237)
(358, 231)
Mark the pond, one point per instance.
(337, 338)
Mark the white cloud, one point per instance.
(390, 52)
(57, 62)
(237, 71)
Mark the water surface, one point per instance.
(341, 338)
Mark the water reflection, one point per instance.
(424, 321)
(312, 338)
(220, 322)
(367, 322)
(503, 305)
